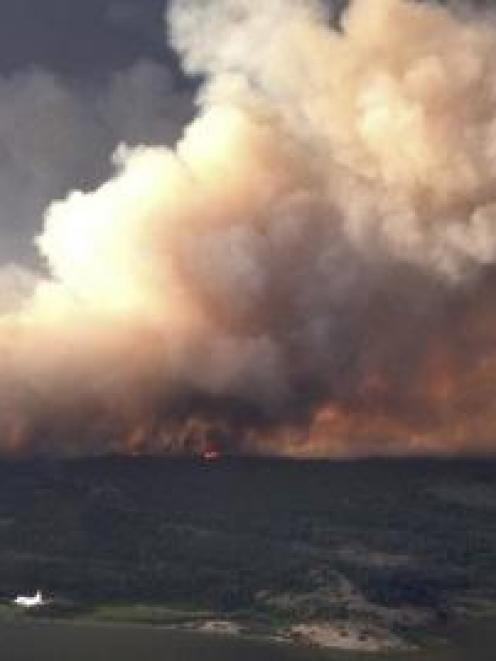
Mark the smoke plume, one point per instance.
(311, 271)
(55, 130)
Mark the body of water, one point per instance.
(69, 642)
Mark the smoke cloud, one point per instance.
(311, 271)
(55, 131)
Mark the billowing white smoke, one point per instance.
(55, 131)
(310, 270)
(397, 110)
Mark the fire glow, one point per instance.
(311, 271)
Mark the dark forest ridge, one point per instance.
(395, 547)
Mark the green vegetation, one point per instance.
(266, 542)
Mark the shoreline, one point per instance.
(316, 634)
(322, 636)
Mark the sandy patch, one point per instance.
(223, 627)
(343, 637)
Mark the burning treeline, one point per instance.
(310, 271)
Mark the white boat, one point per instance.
(30, 602)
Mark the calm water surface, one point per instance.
(66, 642)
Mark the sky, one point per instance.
(80, 39)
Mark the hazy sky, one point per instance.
(80, 38)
